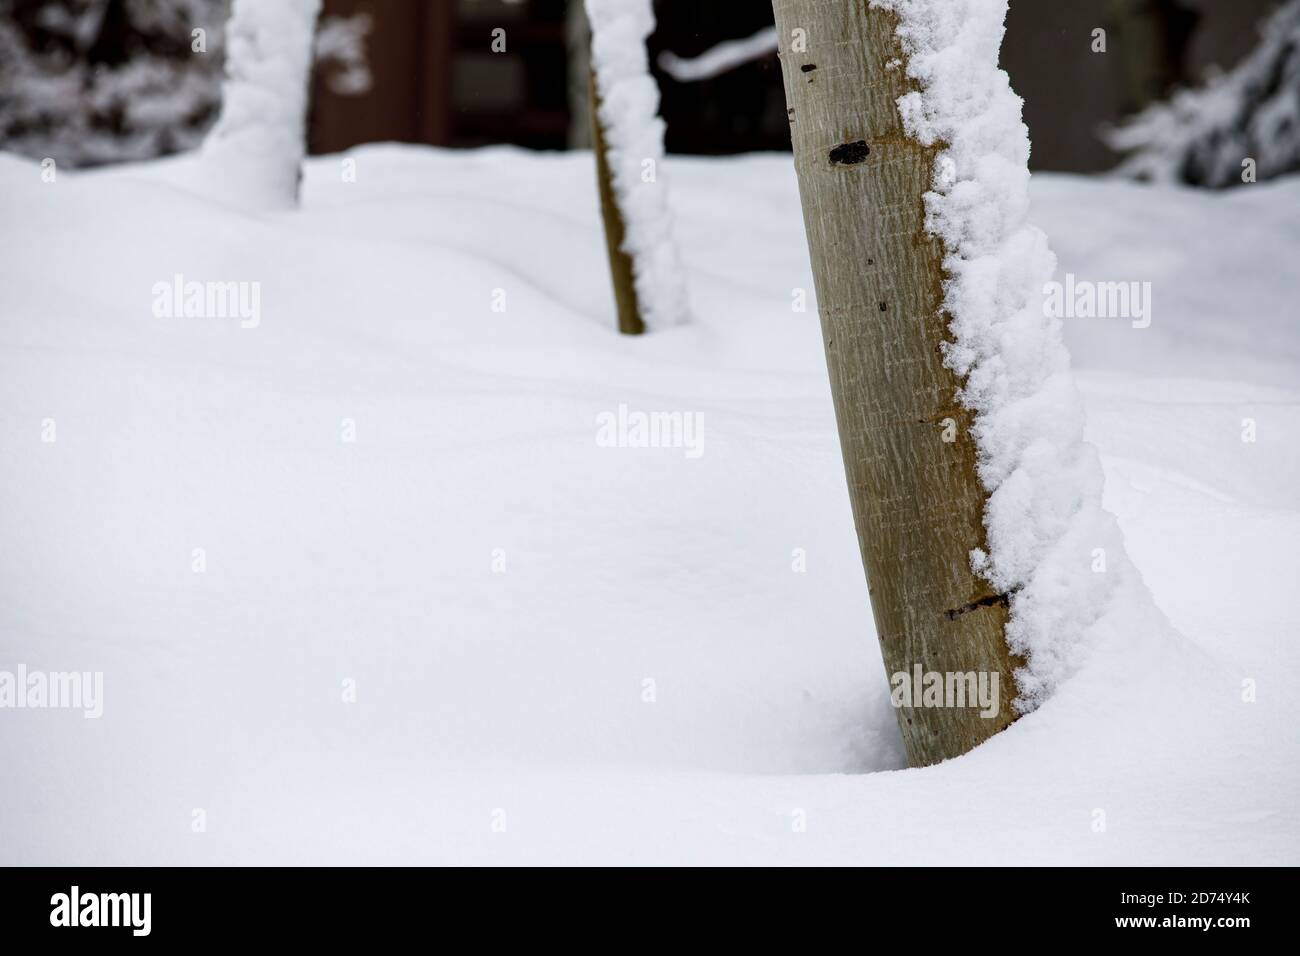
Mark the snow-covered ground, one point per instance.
(500, 589)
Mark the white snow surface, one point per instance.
(1044, 518)
(253, 153)
(519, 697)
(634, 146)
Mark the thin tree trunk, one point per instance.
(253, 153)
(620, 263)
(917, 500)
(577, 46)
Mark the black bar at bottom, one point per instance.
(339, 905)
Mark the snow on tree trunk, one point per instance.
(622, 271)
(1243, 126)
(253, 155)
(626, 102)
(976, 501)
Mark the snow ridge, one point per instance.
(1047, 533)
(634, 133)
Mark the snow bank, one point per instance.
(373, 560)
(254, 152)
(634, 133)
(1047, 532)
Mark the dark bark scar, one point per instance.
(850, 154)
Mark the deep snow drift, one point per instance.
(563, 652)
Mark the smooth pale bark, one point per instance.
(620, 262)
(917, 500)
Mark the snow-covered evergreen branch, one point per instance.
(1252, 113)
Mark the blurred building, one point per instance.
(96, 81)
(437, 79)
(1071, 93)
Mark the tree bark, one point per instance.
(620, 263)
(917, 500)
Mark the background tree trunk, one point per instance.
(253, 153)
(917, 500)
(1152, 37)
(577, 46)
(629, 138)
(620, 263)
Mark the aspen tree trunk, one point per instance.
(620, 263)
(909, 456)
(628, 133)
